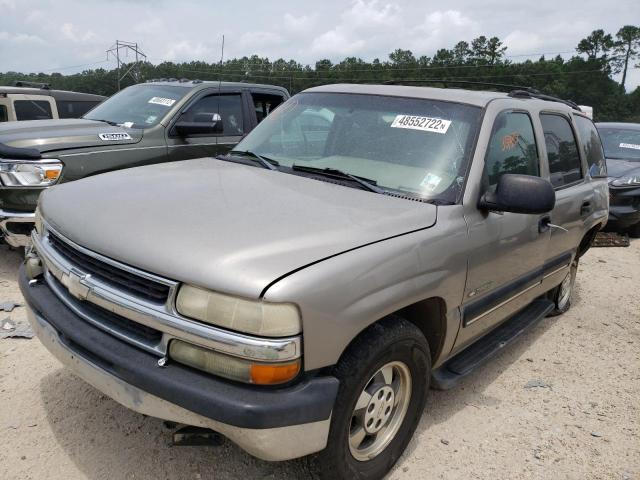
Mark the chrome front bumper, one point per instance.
(272, 444)
(14, 239)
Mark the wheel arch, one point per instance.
(587, 240)
(428, 315)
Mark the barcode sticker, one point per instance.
(167, 102)
(426, 124)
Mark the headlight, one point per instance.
(243, 315)
(22, 173)
(233, 368)
(627, 181)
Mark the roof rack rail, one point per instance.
(515, 91)
(445, 81)
(533, 93)
(26, 83)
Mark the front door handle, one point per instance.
(586, 208)
(545, 224)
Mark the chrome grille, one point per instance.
(140, 287)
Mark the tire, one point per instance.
(562, 294)
(634, 230)
(393, 348)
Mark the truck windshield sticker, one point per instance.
(151, 119)
(110, 137)
(510, 141)
(426, 124)
(166, 102)
(430, 182)
(630, 145)
(127, 124)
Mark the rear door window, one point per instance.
(3, 114)
(32, 110)
(591, 147)
(512, 148)
(74, 108)
(264, 104)
(562, 150)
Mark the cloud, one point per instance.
(185, 50)
(443, 29)
(523, 42)
(70, 32)
(20, 38)
(368, 20)
(336, 42)
(150, 26)
(301, 24)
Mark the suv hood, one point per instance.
(617, 168)
(224, 226)
(50, 135)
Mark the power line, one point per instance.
(74, 66)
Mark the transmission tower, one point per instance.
(122, 49)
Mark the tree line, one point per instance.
(586, 77)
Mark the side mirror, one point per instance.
(520, 194)
(202, 124)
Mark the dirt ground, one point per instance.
(563, 402)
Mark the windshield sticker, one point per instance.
(430, 182)
(127, 124)
(109, 137)
(630, 145)
(426, 124)
(510, 141)
(151, 119)
(166, 102)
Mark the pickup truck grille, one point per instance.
(140, 287)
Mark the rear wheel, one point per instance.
(384, 379)
(562, 294)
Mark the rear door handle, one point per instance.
(586, 208)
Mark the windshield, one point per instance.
(139, 106)
(620, 143)
(409, 145)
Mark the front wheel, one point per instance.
(384, 379)
(562, 294)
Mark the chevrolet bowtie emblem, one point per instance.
(74, 283)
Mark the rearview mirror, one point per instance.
(201, 124)
(520, 194)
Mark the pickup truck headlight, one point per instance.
(19, 173)
(627, 181)
(243, 315)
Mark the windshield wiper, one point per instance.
(335, 173)
(266, 162)
(113, 124)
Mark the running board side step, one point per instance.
(455, 369)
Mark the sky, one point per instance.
(68, 36)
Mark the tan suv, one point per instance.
(36, 101)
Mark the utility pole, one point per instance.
(134, 68)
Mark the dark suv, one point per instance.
(622, 148)
(154, 122)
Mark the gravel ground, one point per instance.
(563, 402)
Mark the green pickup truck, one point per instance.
(154, 122)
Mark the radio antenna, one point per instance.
(219, 119)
